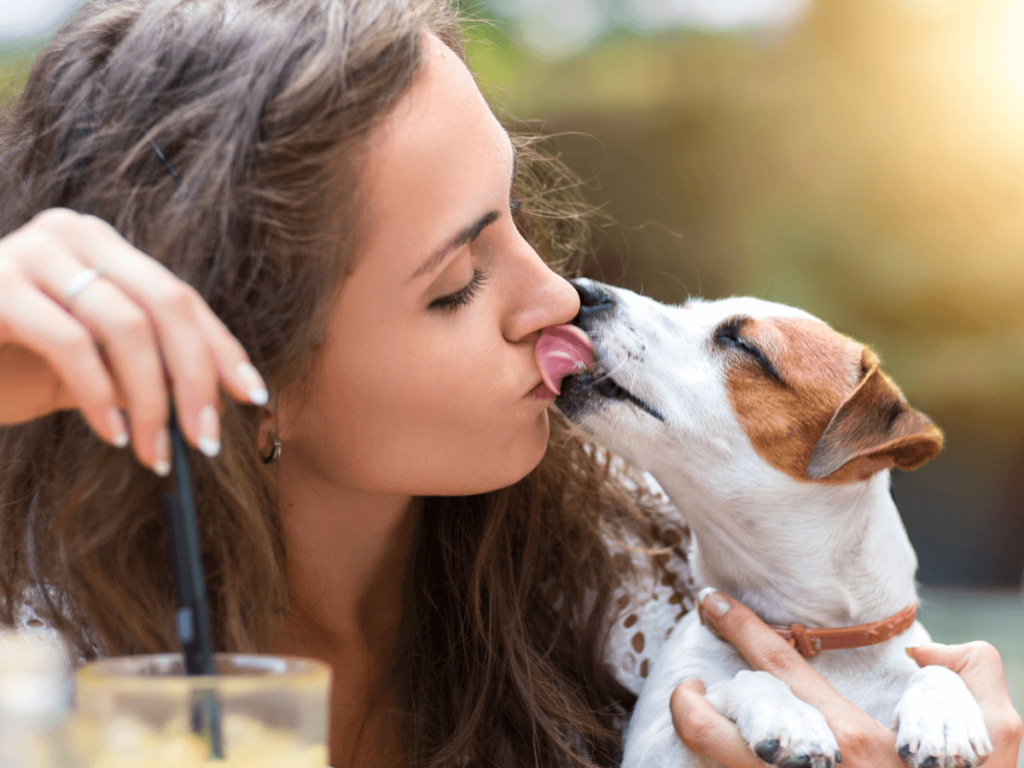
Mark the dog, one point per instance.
(774, 435)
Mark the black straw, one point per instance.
(192, 621)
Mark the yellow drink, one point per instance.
(134, 712)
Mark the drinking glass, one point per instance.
(134, 711)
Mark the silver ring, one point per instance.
(80, 281)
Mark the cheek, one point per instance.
(419, 420)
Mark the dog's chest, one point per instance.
(873, 678)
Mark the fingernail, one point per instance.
(717, 606)
(162, 451)
(209, 431)
(117, 427)
(255, 389)
(911, 648)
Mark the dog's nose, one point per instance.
(596, 302)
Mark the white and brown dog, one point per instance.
(773, 434)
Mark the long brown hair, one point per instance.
(261, 107)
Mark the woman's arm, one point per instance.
(863, 741)
(88, 322)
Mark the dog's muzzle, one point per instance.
(597, 304)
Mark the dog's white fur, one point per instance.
(821, 554)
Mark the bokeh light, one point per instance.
(21, 19)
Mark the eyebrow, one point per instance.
(467, 235)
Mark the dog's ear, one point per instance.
(874, 429)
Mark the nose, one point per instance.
(596, 302)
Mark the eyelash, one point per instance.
(460, 298)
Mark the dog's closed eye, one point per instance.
(729, 335)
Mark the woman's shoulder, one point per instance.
(658, 589)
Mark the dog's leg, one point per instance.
(692, 651)
(779, 727)
(938, 723)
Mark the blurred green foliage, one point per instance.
(14, 66)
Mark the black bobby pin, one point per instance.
(214, 279)
(167, 163)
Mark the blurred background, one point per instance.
(862, 160)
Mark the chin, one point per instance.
(505, 466)
(519, 463)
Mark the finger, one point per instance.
(129, 341)
(172, 302)
(197, 349)
(240, 378)
(130, 344)
(765, 649)
(46, 329)
(978, 663)
(150, 314)
(705, 731)
(31, 387)
(976, 657)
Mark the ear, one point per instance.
(874, 429)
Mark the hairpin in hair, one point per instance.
(167, 163)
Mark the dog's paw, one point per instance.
(780, 728)
(938, 724)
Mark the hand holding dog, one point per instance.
(981, 668)
(863, 741)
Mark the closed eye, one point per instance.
(729, 335)
(461, 297)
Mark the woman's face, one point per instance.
(419, 391)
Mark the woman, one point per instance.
(326, 200)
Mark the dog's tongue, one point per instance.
(560, 351)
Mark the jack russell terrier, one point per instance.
(774, 435)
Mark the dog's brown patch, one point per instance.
(833, 416)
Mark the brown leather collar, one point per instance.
(810, 641)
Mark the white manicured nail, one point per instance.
(162, 451)
(117, 427)
(255, 389)
(703, 594)
(209, 431)
(717, 607)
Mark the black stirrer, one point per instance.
(193, 617)
(192, 620)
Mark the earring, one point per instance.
(275, 452)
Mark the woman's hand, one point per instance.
(72, 339)
(863, 741)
